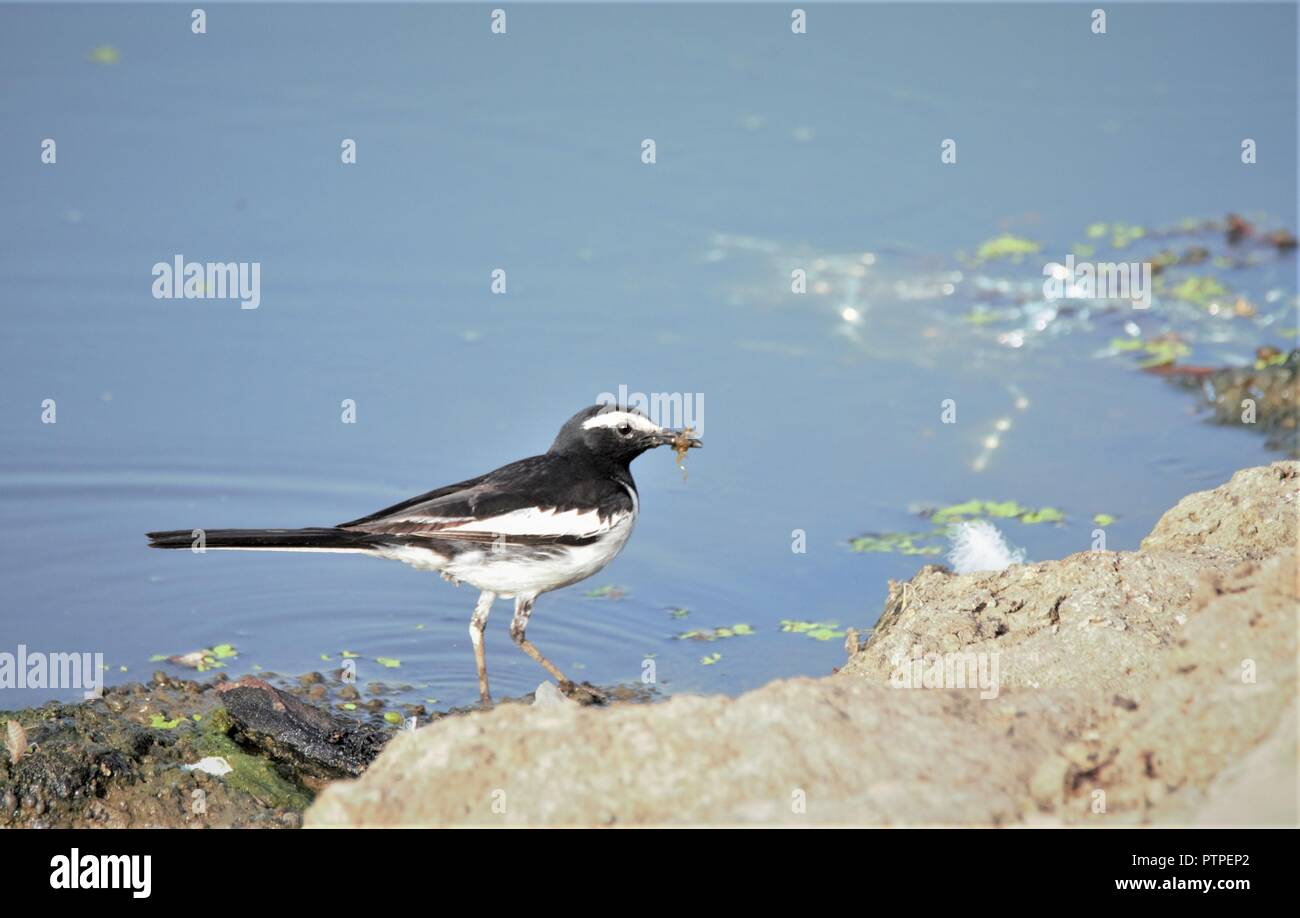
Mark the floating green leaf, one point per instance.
(609, 591)
(224, 651)
(1122, 234)
(392, 717)
(105, 54)
(904, 543)
(158, 722)
(711, 659)
(713, 634)
(1004, 509)
(1045, 515)
(820, 631)
(1163, 352)
(679, 612)
(1199, 290)
(1007, 246)
(955, 512)
(389, 662)
(202, 660)
(1160, 351)
(980, 316)
(1103, 519)
(1007, 509)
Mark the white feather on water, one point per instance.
(979, 546)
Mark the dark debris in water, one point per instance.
(1264, 397)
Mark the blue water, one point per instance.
(522, 152)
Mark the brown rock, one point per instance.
(1155, 686)
(1252, 516)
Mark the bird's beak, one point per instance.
(678, 438)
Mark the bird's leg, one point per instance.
(476, 626)
(518, 626)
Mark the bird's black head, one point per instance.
(613, 434)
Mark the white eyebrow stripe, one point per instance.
(617, 418)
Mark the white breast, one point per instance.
(519, 570)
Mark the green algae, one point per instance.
(1007, 246)
(818, 631)
(254, 775)
(715, 634)
(903, 543)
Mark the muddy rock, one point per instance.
(796, 752)
(1148, 687)
(1274, 390)
(118, 761)
(1116, 608)
(126, 759)
(1223, 696)
(1250, 517)
(316, 743)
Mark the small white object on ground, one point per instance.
(15, 741)
(212, 765)
(548, 695)
(979, 546)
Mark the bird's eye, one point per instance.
(625, 430)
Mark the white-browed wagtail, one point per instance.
(527, 528)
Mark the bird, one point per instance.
(527, 528)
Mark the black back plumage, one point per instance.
(584, 470)
(547, 482)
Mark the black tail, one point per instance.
(303, 539)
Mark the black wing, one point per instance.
(542, 498)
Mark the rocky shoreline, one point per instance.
(1148, 687)
(1155, 687)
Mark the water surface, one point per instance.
(522, 152)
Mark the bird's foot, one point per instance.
(583, 692)
(449, 578)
